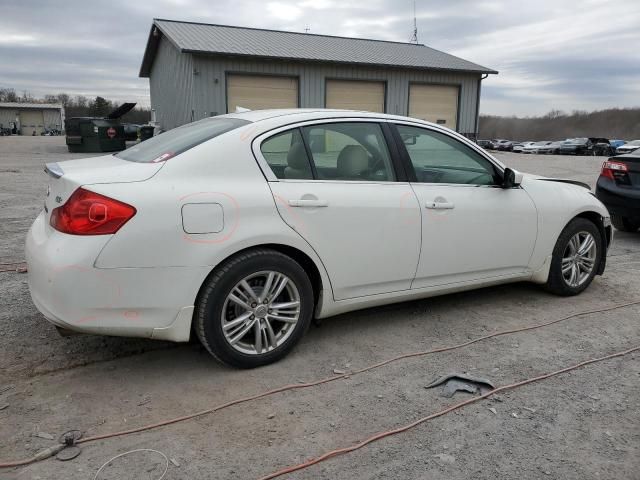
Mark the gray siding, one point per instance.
(52, 119)
(202, 79)
(171, 86)
(7, 115)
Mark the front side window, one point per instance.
(349, 151)
(439, 158)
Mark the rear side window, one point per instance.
(286, 155)
(179, 140)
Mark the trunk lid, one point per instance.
(66, 177)
(632, 176)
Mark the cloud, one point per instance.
(550, 54)
(282, 11)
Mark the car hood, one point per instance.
(531, 177)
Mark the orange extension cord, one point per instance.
(297, 386)
(404, 428)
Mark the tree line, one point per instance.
(78, 105)
(612, 123)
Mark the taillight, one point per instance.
(611, 169)
(89, 213)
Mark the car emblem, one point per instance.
(48, 190)
(59, 199)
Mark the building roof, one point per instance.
(203, 38)
(40, 106)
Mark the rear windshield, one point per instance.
(179, 140)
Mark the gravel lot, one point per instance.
(582, 425)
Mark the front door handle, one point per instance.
(440, 205)
(308, 203)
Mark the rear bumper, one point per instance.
(621, 201)
(133, 302)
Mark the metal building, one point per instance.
(197, 70)
(28, 118)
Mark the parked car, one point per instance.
(586, 146)
(485, 144)
(535, 147)
(517, 147)
(602, 147)
(552, 148)
(504, 145)
(618, 187)
(243, 227)
(494, 143)
(628, 147)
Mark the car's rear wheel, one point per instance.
(576, 257)
(254, 308)
(624, 224)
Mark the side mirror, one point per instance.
(511, 178)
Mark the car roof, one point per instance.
(302, 114)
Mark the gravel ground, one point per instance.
(581, 425)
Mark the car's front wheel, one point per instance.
(624, 224)
(576, 257)
(254, 308)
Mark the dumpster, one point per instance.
(94, 134)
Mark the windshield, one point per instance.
(174, 142)
(540, 144)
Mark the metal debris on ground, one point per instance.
(68, 453)
(456, 382)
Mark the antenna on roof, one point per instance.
(414, 37)
(306, 29)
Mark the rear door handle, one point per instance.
(440, 205)
(308, 203)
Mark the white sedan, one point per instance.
(243, 227)
(535, 147)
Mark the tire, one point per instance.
(624, 224)
(558, 283)
(274, 338)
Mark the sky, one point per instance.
(551, 54)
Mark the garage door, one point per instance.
(31, 121)
(434, 103)
(355, 95)
(257, 92)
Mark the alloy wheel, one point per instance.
(260, 312)
(579, 258)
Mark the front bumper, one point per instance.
(133, 302)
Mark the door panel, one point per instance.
(471, 228)
(337, 188)
(366, 234)
(473, 233)
(257, 92)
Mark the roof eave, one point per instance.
(481, 70)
